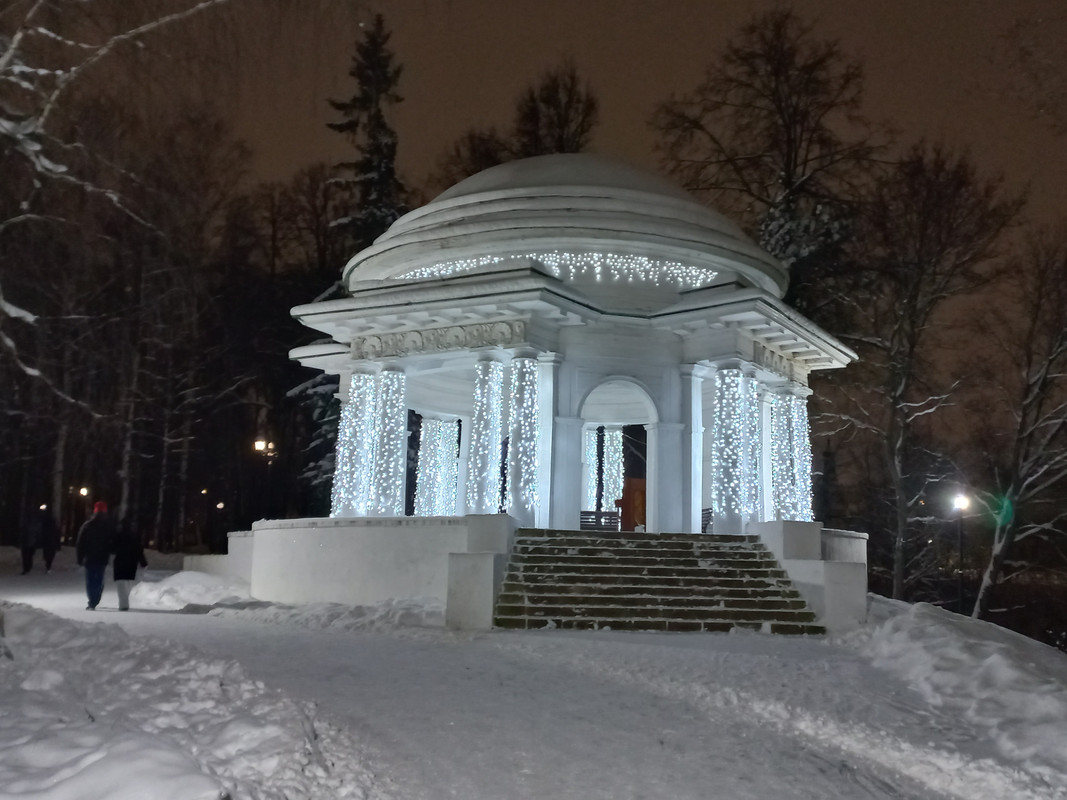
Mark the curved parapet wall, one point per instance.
(367, 560)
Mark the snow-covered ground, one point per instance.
(199, 692)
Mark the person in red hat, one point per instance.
(96, 541)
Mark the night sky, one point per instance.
(934, 69)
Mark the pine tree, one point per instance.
(377, 195)
(375, 198)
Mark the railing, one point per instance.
(599, 521)
(838, 545)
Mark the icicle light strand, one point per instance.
(570, 266)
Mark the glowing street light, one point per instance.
(84, 491)
(961, 502)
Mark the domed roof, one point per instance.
(582, 216)
(564, 170)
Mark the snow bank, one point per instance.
(92, 712)
(1012, 686)
(177, 591)
(226, 597)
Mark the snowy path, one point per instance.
(604, 715)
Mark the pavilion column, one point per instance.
(767, 506)
(523, 439)
(463, 465)
(437, 474)
(692, 446)
(735, 452)
(663, 501)
(550, 484)
(357, 446)
(483, 471)
(611, 467)
(800, 437)
(790, 453)
(390, 463)
(590, 467)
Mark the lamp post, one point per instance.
(265, 448)
(961, 503)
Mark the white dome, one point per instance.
(567, 210)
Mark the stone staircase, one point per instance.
(648, 582)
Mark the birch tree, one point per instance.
(930, 231)
(1027, 379)
(774, 137)
(556, 114)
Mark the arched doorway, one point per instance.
(614, 473)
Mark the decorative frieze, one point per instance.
(435, 340)
(763, 356)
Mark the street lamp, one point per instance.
(961, 503)
(265, 448)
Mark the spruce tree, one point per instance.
(376, 193)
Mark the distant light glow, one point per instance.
(606, 267)
(961, 502)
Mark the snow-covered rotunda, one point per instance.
(530, 314)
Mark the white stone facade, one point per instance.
(542, 300)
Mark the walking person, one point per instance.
(47, 536)
(128, 555)
(96, 540)
(28, 543)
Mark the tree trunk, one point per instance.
(125, 471)
(1002, 540)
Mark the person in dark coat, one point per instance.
(47, 535)
(96, 540)
(28, 542)
(128, 555)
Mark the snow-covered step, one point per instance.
(569, 579)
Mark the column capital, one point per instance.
(696, 371)
(554, 359)
(523, 352)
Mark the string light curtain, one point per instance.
(735, 450)
(523, 439)
(592, 469)
(390, 463)
(483, 478)
(612, 467)
(437, 473)
(357, 444)
(800, 435)
(790, 457)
